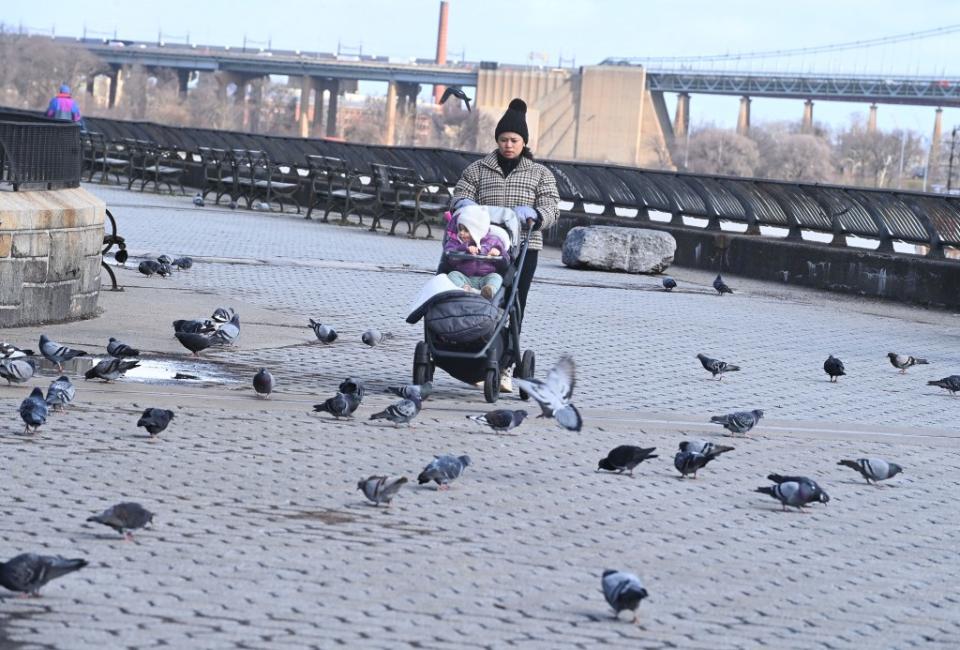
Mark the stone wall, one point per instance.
(50, 245)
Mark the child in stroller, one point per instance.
(470, 232)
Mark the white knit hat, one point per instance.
(476, 220)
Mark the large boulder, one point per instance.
(610, 248)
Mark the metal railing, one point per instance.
(38, 153)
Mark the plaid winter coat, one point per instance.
(529, 184)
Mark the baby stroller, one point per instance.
(468, 336)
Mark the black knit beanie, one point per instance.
(514, 120)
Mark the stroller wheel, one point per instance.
(491, 385)
(422, 371)
(528, 366)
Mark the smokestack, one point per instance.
(441, 45)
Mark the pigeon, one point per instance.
(124, 518)
(28, 572)
(500, 420)
(120, 349)
(232, 205)
(194, 342)
(401, 412)
(873, 469)
(351, 386)
(10, 351)
(623, 591)
(374, 338)
(721, 286)
(791, 493)
(410, 391)
(148, 267)
(183, 263)
(228, 333)
(816, 492)
(262, 206)
(111, 368)
(324, 333)
(381, 489)
(17, 371)
(60, 393)
(194, 326)
(833, 367)
(951, 383)
(903, 361)
(669, 284)
(165, 259)
(554, 394)
(716, 367)
(456, 92)
(263, 382)
(223, 314)
(740, 422)
(121, 256)
(625, 457)
(155, 420)
(341, 405)
(689, 462)
(703, 447)
(443, 470)
(198, 200)
(165, 271)
(57, 353)
(33, 410)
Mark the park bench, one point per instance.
(404, 197)
(334, 187)
(105, 157)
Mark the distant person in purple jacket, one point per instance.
(473, 226)
(62, 107)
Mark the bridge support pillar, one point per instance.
(872, 119)
(307, 88)
(183, 78)
(681, 118)
(116, 86)
(334, 88)
(743, 119)
(933, 160)
(391, 132)
(408, 111)
(807, 125)
(251, 109)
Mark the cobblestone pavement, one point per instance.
(262, 540)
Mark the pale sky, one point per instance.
(587, 31)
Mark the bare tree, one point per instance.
(877, 158)
(33, 67)
(786, 154)
(368, 128)
(718, 151)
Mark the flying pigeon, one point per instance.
(816, 492)
(399, 413)
(228, 333)
(456, 92)
(341, 405)
(198, 200)
(60, 393)
(951, 383)
(10, 351)
(689, 462)
(263, 382)
(57, 353)
(121, 256)
(223, 314)
(120, 349)
(554, 394)
(194, 342)
(325, 334)
(443, 470)
(374, 337)
(148, 267)
(721, 286)
(500, 420)
(873, 469)
(28, 572)
(669, 284)
(165, 259)
(624, 458)
(903, 361)
(716, 367)
(111, 368)
(155, 420)
(703, 447)
(410, 391)
(124, 518)
(183, 263)
(740, 422)
(381, 489)
(833, 367)
(623, 591)
(17, 371)
(33, 410)
(791, 493)
(194, 326)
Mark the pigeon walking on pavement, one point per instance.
(669, 284)
(873, 469)
(120, 349)
(155, 420)
(56, 353)
(808, 484)
(704, 447)
(194, 341)
(411, 391)
(228, 333)
(739, 422)
(17, 371)
(500, 420)
(443, 470)
(951, 383)
(689, 462)
(791, 493)
(716, 367)
(182, 263)
(553, 395)
(27, 573)
(381, 489)
(625, 458)
(721, 286)
(33, 410)
(324, 333)
(341, 405)
(623, 590)
(111, 368)
(198, 200)
(263, 382)
(904, 361)
(165, 259)
(10, 351)
(223, 314)
(60, 393)
(194, 326)
(373, 337)
(401, 412)
(834, 368)
(124, 518)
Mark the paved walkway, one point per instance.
(261, 539)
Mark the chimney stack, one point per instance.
(441, 45)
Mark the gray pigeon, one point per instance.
(17, 371)
(351, 386)
(148, 267)
(716, 367)
(500, 420)
(10, 351)
(194, 341)
(401, 412)
(165, 259)
(33, 410)
(740, 422)
(688, 462)
(669, 284)
(263, 382)
(623, 591)
(951, 383)
(29, 572)
(808, 484)
(124, 518)
(228, 333)
(443, 470)
(111, 368)
(341, 405)
(553, 395)
(60, 393)
(721, 286)
(381, 489)
(791, 493)
(198, 200)
(834, 368)
(873, 469)
(411, 391)
(183, 263)
(165, 271)
(194, 326)
(625, 458)
(325, 334)
(120, 349)
(455, 92)
(223, 314)
(57, 353)
(904, 361)
(374, 337)
(155, 420)
(703, 447)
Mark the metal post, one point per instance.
(953, 144)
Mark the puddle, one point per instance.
(150, 371)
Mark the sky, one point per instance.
(581, 32)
